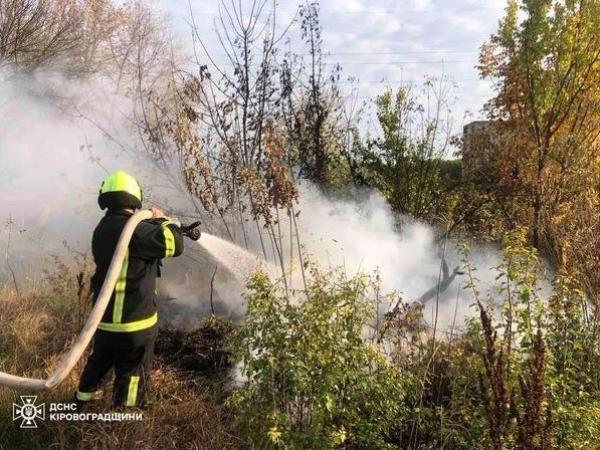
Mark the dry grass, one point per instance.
(37, 326)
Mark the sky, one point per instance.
(382, 43)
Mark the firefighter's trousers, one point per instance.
(131, 355)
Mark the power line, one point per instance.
(450, 80)
(387, 11)
(409, 52)
(386, 63)
(392, 52)
(373, 63)
(460, 96)
(424, 10)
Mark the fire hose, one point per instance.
(73, 355)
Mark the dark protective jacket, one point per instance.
(132, 306)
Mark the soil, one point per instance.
(203, 351)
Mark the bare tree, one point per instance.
(32, 32)
(313, 106)
(226, 116)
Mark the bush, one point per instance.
(313, 380)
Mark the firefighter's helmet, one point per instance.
(120, 190)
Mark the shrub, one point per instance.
(313, 380)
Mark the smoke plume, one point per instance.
(56, 149)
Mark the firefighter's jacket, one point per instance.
(132, 306)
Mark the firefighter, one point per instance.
(126, 335)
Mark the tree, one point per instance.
(75, 37)
(312, 108)
(545, 115)
(404, 161)
(32, 32)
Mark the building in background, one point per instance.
(477, 148)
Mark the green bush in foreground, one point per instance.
(522, 374)
(314, 381)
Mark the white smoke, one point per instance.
(53, 158)
(45, 173)
(360, 236)
(363, 235)
(54, 153)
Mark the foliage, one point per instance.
(538, 381)
(522, 375)
(542, 151)
(33, 32)
(312, 379)
(405, 162)
(80, 37)
(513, 384)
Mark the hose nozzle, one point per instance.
(191, 230)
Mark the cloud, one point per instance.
(389, 40)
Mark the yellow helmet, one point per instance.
(120, 190)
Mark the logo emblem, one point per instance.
(28, 411)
